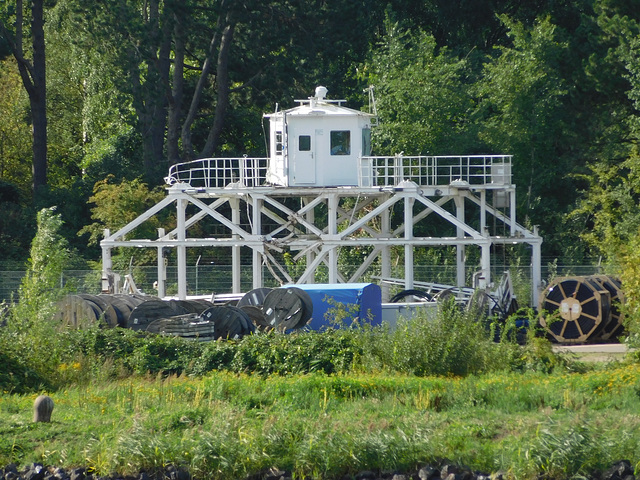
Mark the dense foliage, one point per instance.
(132, 89)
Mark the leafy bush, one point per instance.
(454, 342)
(18, 377)
(331, 351)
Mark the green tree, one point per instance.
(14, 130)
(422, 101)
(32, 67)
(49, 257)
(522, 104)
(607, 209)
(118, 204)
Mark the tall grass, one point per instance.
(226, 425)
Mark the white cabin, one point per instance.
(318, 143)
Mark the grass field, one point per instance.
(223, 425)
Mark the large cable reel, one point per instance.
(575, 309)
(615, 326)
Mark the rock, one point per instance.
(78, 474)
(42, 408)
(11, 468)
(619, 470)
(36, 471)
(275, 474)
(366, 475)
(60, 474)
(449, 469)
(174, 473)
(428, 473)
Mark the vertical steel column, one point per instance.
(333, 233)
(512, 211)
(485, 247)
(256, 230)
(181, 207)
(536, 268)
(311, 217)
(483, 212)
(236, 267)
(408, 246)
(107, 264)
(162, 268)
(385, 219)
(486, 264)
(460, 250)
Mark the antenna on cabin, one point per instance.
(372, 100)
(321, 93)
(372, 105)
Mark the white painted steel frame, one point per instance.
(295, 230)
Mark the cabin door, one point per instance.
(304, 158)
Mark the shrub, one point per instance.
(330, 351)
(454, 342)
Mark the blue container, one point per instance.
(361, 301)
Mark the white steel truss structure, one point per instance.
(400, 204)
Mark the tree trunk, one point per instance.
(175, 104)
(222, 82)
(39, 98)
(34, 80)
(152, 101)
(187, 146)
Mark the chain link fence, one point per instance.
(210, 279)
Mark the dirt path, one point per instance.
(609, 352)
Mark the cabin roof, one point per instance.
(319, 108)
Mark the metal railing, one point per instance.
(372, 171)
(219, 172)
(434, 171)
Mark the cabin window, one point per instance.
(279, 143)
(304, 143)
(366, 142)
(340, 142)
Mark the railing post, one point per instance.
(397, 169)
(460, 250)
